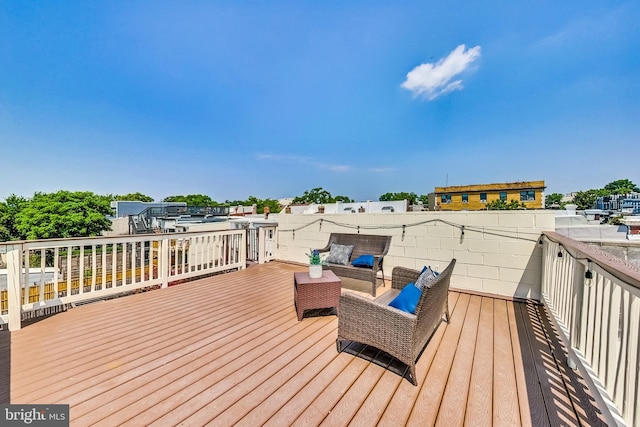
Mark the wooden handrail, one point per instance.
(617, 267)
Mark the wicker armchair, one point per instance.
(403, 335)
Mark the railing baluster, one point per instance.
(632, 374)
(614, 345)
(25, 277)
(56, 272)
(94, 270)
(123, 267)
(103, 267)
(114, 265)
(618, 375)
(69, 270)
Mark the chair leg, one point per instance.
(446, 313)
(339, 345)
(412, 374)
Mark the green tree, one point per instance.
(411, 197)
(63, 214)
(587, 199)
(343, 199)
(134, 197)
(192, 200)
(499, 205)
(621, 186)
(8, 211)
(424, 199)
(316, 195)
(554, 199)
(273, 205)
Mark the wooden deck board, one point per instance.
(399, 409)
(557, 403)
(506, 411)
(267, 407)
(228, 350)
(532, 410)
(479, 409)
(425, 409)
(451, 411)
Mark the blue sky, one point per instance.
(271, 98)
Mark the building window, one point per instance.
(465, 198)
(483, 197)
(445, 199)
(527, 196)
(503, 196)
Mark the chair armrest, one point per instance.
(325, 249)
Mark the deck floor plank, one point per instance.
(506, 411)
(574, 385)
(532, 409)
(267, 407)
(193, 397)
(373, 407)
(425, 409)
(237, 401)
(229, 350)
(557, 403)
(400, 406)
(479, 409)
(454, 401)
(161, 383)
(332, 394)
(304, 397)
(144, 352)
(89, 350)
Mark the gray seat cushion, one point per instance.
(339, 254)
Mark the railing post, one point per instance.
(243, 250)
(261, 245)
(577, 296)
(14, 270)
(163, 268)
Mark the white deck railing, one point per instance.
(46, 274)
(594, 298)
(262, 244)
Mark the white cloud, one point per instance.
(381, 170)
(432, 80)
(336, 168)
(282, 157)
(301, 159)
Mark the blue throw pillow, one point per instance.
(407, 299)
(363, 261)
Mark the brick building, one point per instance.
(475, 197)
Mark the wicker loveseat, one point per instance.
(399, 333)
(363, 244)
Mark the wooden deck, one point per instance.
(228, 350)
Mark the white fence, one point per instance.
(48, 274)
(595, 301)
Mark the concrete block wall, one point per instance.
(498, 253)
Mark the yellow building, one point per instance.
(476, 197)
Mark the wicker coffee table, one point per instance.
(323, 292)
